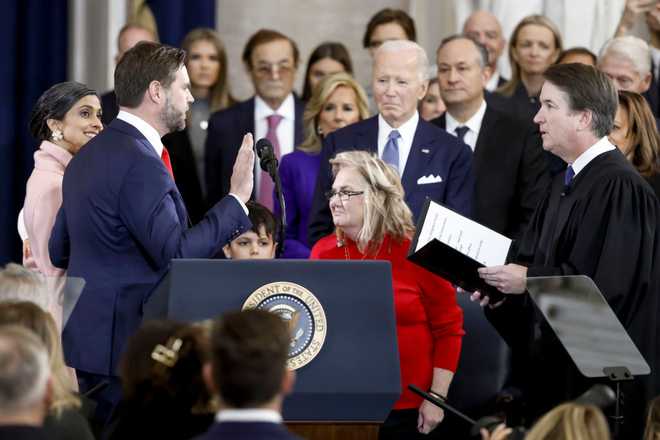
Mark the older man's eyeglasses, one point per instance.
(344, 195)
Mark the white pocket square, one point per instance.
(425, 180)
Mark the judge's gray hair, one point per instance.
(24, 370)
(394, 46)
(630, 48)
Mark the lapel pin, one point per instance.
(426, 150)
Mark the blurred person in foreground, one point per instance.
(372, 221)
(164, 393)
(64, 419)
(25, 388)
(249, 375)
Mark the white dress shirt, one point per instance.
(143, 127)
(600, 147)
(473, 124)
(248, 415)
(406, 130)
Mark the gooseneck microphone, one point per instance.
(268, 162)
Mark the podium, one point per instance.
(354, 378)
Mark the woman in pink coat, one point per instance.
(64, 118)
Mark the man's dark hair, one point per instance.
(142, 64)
(249, 352)
(577, 51)
(483, 52)
(54, 103)
(263, 36)
(389, 15)
(587, 89)
(259, 215)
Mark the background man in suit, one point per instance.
(431, 162)
(627, 62)
(508, 165)
(129, 35)
(600, 219)
(25, 389)
(275, 113)
(248, 372)
(484, 27)
(122, 218)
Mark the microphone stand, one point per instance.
(488, 423)
(280, 196)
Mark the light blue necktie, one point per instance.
(391, 151)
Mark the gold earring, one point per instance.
(57, 135)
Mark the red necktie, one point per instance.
(265, 195)
(165, 156)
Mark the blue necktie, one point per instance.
(391, 151)
(568, 176)
(461, 131)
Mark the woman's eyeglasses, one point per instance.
(344, 195)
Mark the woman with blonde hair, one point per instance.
(336, 102)
(636, 135)
(535, 45)
(64, 420)
(373, 222)
(206, 61)
(571, 421)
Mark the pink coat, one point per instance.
(43, 198)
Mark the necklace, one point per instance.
(347, 253)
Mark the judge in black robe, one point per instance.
(605, 225)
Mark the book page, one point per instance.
(466, 236)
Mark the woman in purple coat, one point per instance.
(335, 103)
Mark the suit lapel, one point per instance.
(488, 126)
(421, 154)
(149, 149)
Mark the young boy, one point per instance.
(259, 242)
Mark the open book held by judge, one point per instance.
(454, 247)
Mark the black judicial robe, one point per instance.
(606, 226)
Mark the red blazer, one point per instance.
(429, 321)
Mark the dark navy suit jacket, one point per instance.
(224, 136)
(510, 171)
(434, 152)
(248, 431)
(121, 222)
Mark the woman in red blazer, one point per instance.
(372, 221)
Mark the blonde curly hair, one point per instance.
(385, 211)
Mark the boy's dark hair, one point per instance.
(249, 351)
(260, 215)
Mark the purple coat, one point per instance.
(298, 171)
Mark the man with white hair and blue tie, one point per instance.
(431, 162)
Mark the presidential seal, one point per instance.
(303, 314)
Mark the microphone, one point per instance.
(268, 163)
(267, 159)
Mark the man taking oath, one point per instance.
(600, 219)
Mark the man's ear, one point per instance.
(156, 92)
(646, 82)
(207, 374)
(288, 382)
(227, 251)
